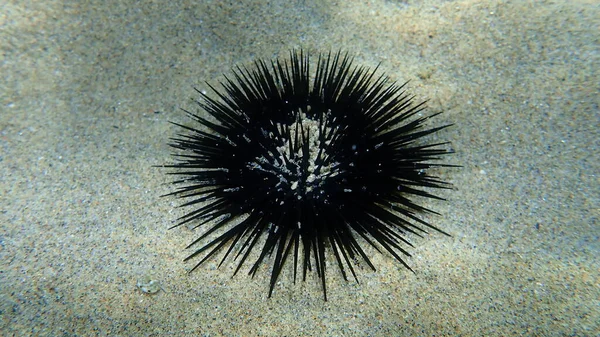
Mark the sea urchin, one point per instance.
(306, 164)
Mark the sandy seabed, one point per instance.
(88, 89)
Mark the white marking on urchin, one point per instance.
(287, 158)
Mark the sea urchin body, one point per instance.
(307, 166)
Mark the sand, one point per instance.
(86, 94)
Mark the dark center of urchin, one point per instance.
(297, 159)
(306, 165)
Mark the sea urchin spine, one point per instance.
(306, 165)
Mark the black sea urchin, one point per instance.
(303, 164)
